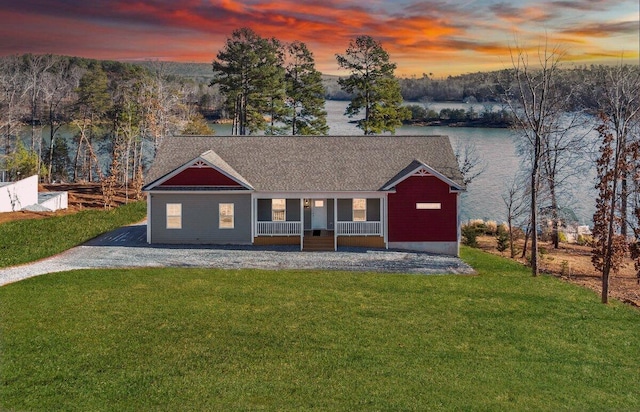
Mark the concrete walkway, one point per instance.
(126, 247)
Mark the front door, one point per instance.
(318, 214)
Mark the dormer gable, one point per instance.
(206, 171)
(420, 169)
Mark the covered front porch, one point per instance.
(319, 221)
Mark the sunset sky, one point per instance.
(443, 37)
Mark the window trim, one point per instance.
(222, 225)
(361, 210)
(170, 218)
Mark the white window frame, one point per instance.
(361, 210)
(222, 223)
(279, 212)
(174, 215)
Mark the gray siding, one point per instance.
(200, 219)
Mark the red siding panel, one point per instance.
(200, 176)
(407, 224)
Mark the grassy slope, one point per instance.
(184, 339)
(25, 241)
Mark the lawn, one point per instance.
(189, 339)
(24, 241)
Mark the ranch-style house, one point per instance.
(321, 193)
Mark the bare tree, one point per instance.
(563, 157)
(538, 105)
(618, 91)
(10, 92)
(514, 200)
(469, 161)
(35, 68)
(158, 99)
(59, 86)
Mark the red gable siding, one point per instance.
(200, 176)
(407, 224)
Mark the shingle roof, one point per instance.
(307, 164)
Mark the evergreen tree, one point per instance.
(93, 103)
(374, 86)
(250, 75)
(305, 93)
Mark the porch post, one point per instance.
(335, 224)
(254, 214)
(301, 223)
(385, 220)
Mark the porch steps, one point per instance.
(318, 244)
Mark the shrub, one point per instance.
(470, 234)
(562, 237)
(503, 239)
(584, 240)
(491, 227)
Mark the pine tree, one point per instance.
(375, 89)
(305, 93)
(250, 75)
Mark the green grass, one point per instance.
(28, 240)
(190, 339)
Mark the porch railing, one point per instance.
(359, 228)
(278, 228)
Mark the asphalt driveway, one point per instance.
(126, 247)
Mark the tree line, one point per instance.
(554, 121)
(113, 110)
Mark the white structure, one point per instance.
(23, 194)
(16, 196)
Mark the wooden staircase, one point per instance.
(318, 244)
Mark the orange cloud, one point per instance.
(417, 33)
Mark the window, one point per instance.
(225, 216)
(318, 203)
(428, 206)
(359, 210)
(278, 210)
(174, 215)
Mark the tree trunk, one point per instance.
(624, 195)
(512, 249)
(51, 142)
(534, 207)
(525, 247)
(555, 219)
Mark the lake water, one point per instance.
(496, 147)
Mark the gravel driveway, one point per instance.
(126, 247)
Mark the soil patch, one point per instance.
(82, 196)
(572, 263)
